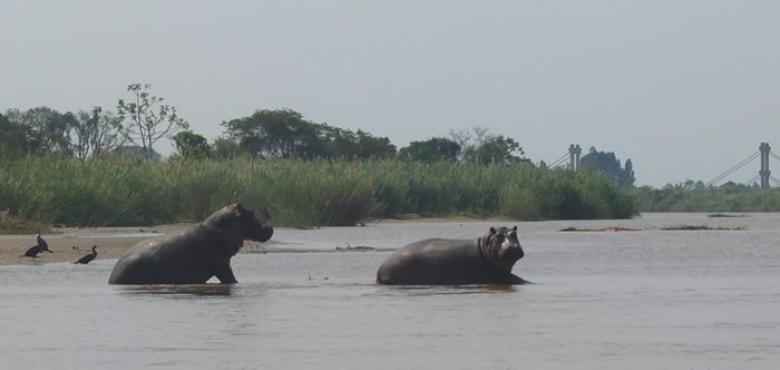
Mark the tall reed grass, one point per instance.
(723, 199)
(302, 193)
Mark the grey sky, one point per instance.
(684, 88)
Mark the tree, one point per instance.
(148, 119)
(46, 130)
(431, 150)
(13, 137)
(627, 177)
(607, 164)
(96, 133)
(370, 146)
(224, 147)
(191, 145)
(334, 142)
(495, 150)
(285, 133)
(268, 132)
(480, 146)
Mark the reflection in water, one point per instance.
(166, 289)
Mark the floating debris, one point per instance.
(357, 248)
(703, 228)
(726, 215)
(609, 229)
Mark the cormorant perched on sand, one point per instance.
(88, 258)
(34, 250)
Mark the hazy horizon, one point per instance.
(685, 90)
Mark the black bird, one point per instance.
(40, 247)
(88, 258)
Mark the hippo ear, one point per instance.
(237, 208)
(514, 229)
(492, 230)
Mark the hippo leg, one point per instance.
(225, 275)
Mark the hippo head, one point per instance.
(501, 248)
(242, 223)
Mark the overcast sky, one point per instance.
(684, 88)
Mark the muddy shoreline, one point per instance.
(70, 244)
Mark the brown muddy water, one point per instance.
(618, 300)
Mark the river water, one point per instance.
(617, 300)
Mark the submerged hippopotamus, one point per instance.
(485, 260)
(195, 255)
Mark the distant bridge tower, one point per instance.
(574, 157)
(764, 172)
(577, 159)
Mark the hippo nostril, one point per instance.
(266, 233)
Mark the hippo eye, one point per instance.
(500, 238)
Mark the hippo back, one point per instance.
(185, 258)
(436, 262)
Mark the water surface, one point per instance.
(644, 299)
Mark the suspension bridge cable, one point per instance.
(733, 168)
(752, 181)
(775, 180)
(775, 155)
(730, 171)
(558, 161)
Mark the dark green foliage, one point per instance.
(13, 137)
(284, 133)
(695, 197)
(116, 191)
(431, 150)
(191, 145)
(494, 150)
(607, 164)
(46, 130)
(226, 148)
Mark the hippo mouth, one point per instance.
(262, 234)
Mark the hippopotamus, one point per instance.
(196, 254)
(484, 260)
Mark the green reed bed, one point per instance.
(723, 199)
(295, 192)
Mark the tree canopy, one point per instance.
(285, 133)
(191, 145)
(46, 131)
(13, 137)
(144, 119)
(495, 150)
(431, 150)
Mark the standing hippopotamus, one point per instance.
(485, 260)
(195, 255)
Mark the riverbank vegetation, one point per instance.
(92, 168)
(729, 197)
(131, 191)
